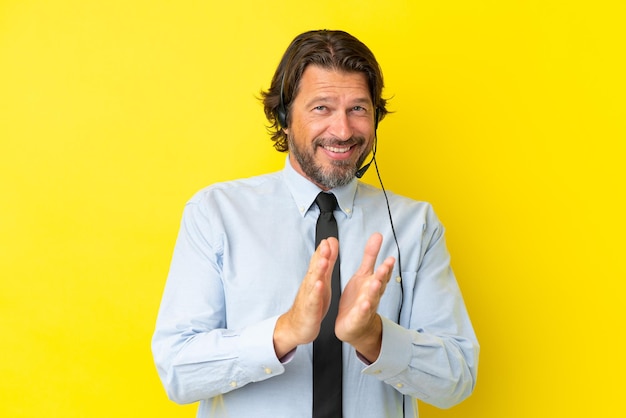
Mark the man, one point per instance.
(249, 296)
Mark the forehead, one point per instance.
(317, 80)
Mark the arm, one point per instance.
(433, 355)
(197, 357)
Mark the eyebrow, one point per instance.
(328, 99)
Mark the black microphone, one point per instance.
(361, 171)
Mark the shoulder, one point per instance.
(239, 190)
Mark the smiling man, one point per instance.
(290, 294)
(332, 128)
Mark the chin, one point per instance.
(334, 177)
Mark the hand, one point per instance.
(301, 323)
(357, 323)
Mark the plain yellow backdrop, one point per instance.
(509, 118)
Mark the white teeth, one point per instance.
(338, 150)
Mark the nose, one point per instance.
(340, 126)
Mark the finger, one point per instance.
(370, 254)
(332, 245)
(325, 254)
(376, 287)
(322, 263)
(383, 272)
(317, 265)
(386, 268)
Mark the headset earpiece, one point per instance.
(376, 119)
(281, 116)
(281, 110)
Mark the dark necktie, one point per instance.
(327, 363)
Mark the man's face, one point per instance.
(331, 129)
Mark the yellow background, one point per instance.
(509, 118)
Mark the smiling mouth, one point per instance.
(338, 150)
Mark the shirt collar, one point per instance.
(304, 191)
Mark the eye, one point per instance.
(320, 108)
(358, 109)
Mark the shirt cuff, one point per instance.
(256, 352)
(395, 352)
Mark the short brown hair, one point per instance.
(330, 49)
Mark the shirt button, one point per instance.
(233, 384)
(398, 279)
(268, 370)
(399, 385)
(377, 372)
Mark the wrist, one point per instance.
(284, 341)
(369, 344)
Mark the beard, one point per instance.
(339, 173)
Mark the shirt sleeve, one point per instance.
(196, 356)
(433, 355)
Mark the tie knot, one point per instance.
(327, 202)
